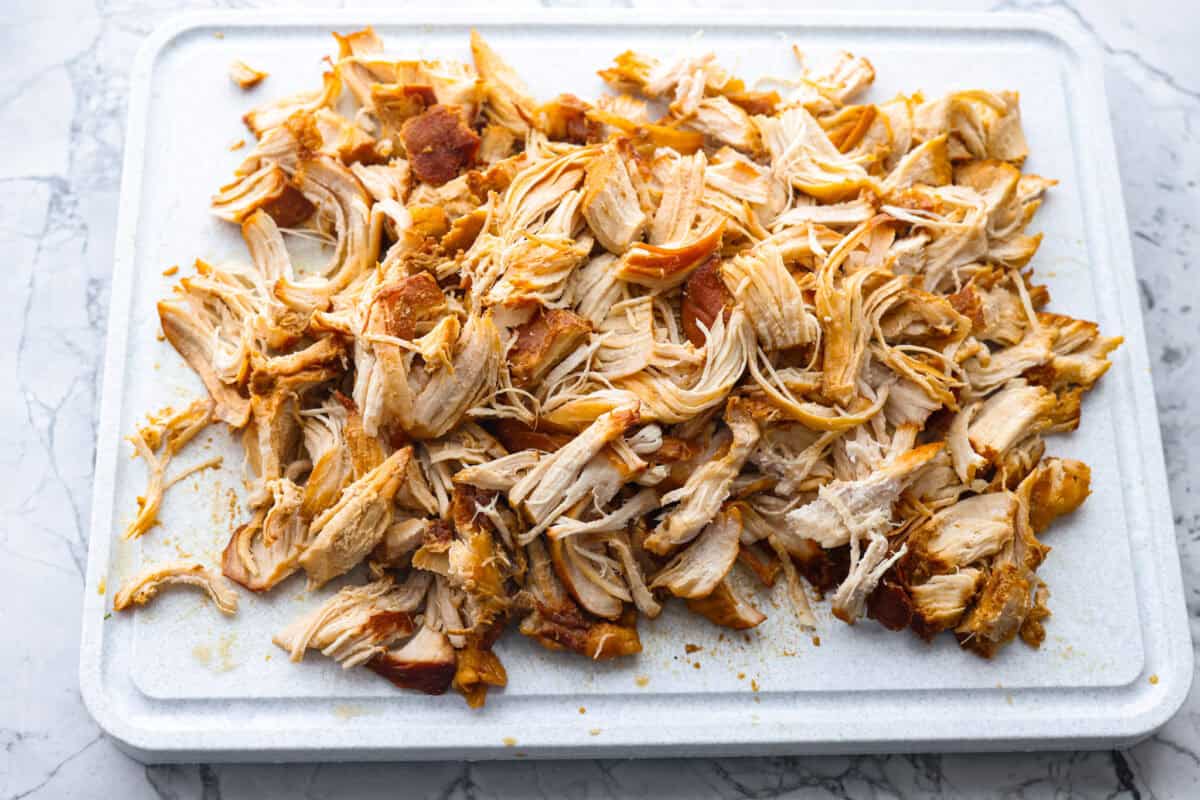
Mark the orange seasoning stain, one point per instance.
(816, 641)
(642, 680)
(102, 587)
(696, 664)
(753, 685)
(741, 676)
(171, 270)
(238, 145)
(582, 710)
(1154, 680)
(692, 648)
(231, 506)
(509, 741)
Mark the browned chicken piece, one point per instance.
(1060, 485)
(668, 265)
(1079, 353)
(558, 624)
(193, 337)
(439, 144)
(271, 115)
(478, 669)
(426, 662)
(410, 303)
(725, 607)
(396, 103)
(998, 615)
(269, 189)
(347, 532)
(543, 342)
(967, 532)
(506, 99)
(704, 297)
(266, 550)
(1016, 412)
(477, 561)
(565, 119)
(939, 603)
(324, 132)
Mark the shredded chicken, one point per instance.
(595, 357)
(142, 588)
(157, 443)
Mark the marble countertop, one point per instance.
(64, 67)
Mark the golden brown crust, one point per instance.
(704, 297)
(430, 677)
(565, 119)
(439, 144)
(755, 103)
(544, 341)
(516, 435)
(400, 306)
(1059, 487)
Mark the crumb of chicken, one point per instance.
(245, 76)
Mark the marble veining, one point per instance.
(64, 67)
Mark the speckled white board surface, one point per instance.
(176, 682)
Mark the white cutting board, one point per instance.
(175, 681)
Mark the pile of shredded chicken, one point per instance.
(569, 360)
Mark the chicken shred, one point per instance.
(143, 587)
